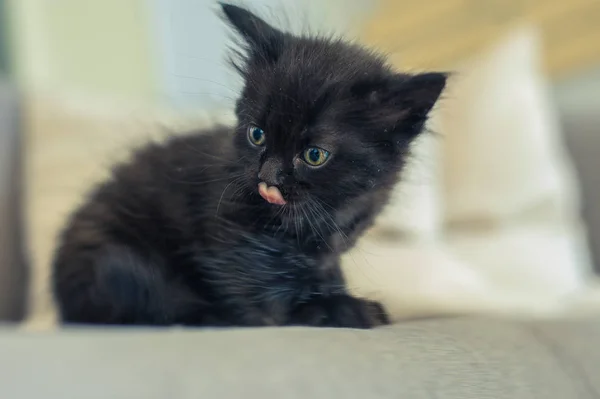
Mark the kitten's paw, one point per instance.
(340, 311)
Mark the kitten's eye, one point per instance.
(315, 156)
(256, 135)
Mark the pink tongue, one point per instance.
(271, 194)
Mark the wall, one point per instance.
(95, 46)
(436, 34)
(167, 50)
(193, 42)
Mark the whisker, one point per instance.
(296, 223)
(202, 182)
(224, 190)
(345, 238)
(274, 216)
(207, 81)
(321, 204)
(314, 229)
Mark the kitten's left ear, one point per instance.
(264, 40)
(418, 93)
(406, 100)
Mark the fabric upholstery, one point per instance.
(465, 358)
(580, 116)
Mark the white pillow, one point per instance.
(511, 240)
(414, 210)
(510, 191)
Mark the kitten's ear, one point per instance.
(419, 93)
(413, 97)
(262, 38)
(405, 101)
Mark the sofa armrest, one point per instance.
(12, 269)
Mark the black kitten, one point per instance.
(245, 226)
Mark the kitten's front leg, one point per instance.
(332, 306)
(339, 311)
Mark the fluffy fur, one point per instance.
(180, 235)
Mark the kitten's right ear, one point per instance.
(262, 38)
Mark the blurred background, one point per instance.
(498, 215)
(172, 50)
(117, 57)
(149, 50)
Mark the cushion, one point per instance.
(465, 358)
(510, 190)
(511, 240)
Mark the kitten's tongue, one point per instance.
(271, 194)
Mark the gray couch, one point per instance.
(465, 358)
(438, 358)
(12, 270)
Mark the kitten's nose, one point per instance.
(271, 172)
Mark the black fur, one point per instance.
(180, 235)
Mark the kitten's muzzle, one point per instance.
(272, 178)
(271, 172)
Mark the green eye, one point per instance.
(256, 135)
(315, 156)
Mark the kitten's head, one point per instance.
(320, 119)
